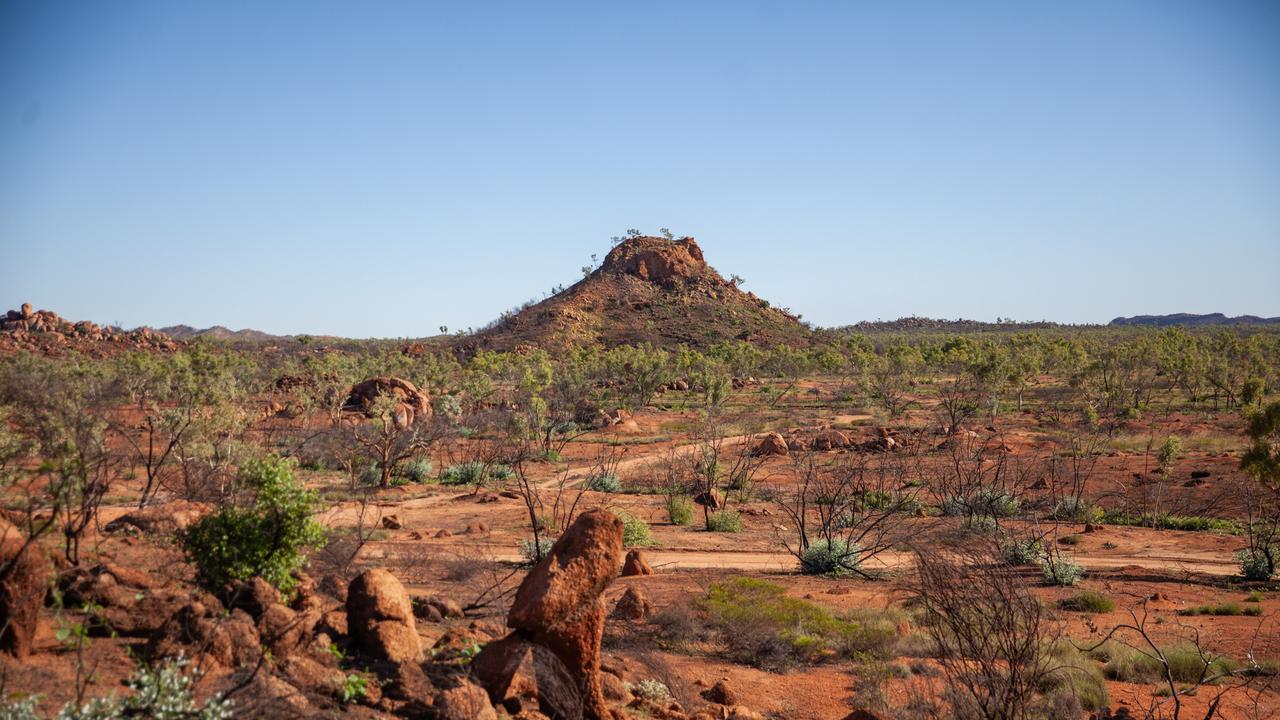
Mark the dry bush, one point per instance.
(988, 629)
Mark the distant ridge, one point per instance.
(1192, 319)
(218, 332)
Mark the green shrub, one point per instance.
(418, 471)
(354, 687)
(763, 627)
(1089, 601)
(836, 556)
(530, 552)
(605, 482)
(1169, 452)
(1257, 563)
(652, 690)
(635, 532)
(1027, 551)
(1062, 570)
(679, 510)
(265, 537)
(727, 521)
(1186, 664)
(1070, 539)
(996, 503)
(1255, 596)
(474, 472)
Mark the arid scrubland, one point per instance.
(650, 494)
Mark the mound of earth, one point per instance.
(648, 289)
(45, 332)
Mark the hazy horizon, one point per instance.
(381, 171)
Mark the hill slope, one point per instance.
(648, 289)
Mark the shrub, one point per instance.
(162, 692)
(605, 482)
(369, 476)
(1061, 570)
(418, 471)
(1186, 664)
(1026, 551)
(652, 690)
(1226, 608)
(474, 472)
(354, 687)
(1075, 675)
(996, 503)
(635, 532)
(679, 510)
(836, 556)
(1070, 540)
(1169, 452)
(529, 551)
(763, 627)
(728, 521)
(1089, 601)
(1256, 563)
(263, 538)
(1076, 510)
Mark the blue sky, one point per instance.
(382, 169)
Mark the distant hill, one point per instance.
(648, 289)
(914, 323)
(1190, 319)
(218, 332)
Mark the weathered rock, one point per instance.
(392, 522)
(467, 701)
(22, 590)
(711, 499)
(196, 629)
(615, 690)
(657, 260)
(411, 403)
(830, 440)
(447, 607)
(520, 675)
(253, 596)
(632, 605)
(771, 444)
(407, 681)
(738, 712)
(164, 519)
(720, 694)
(284, 629)
(636, 564)
(311, 676)
(558, 604)
(380, 617)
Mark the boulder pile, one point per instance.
(411, 403)
(45, 332)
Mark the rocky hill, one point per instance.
(218, 332)
(45, 332)
(1190, 319)
(648, 289)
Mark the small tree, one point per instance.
(264, 533)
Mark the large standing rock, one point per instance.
(380, 617)
(25, 577)
(559, 605)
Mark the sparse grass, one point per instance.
(1089, 601)
(1165, 521)
(1186, 664)
(725, 521)
(1254, 597)
(620, 441)
(761, 626)
(1222, 609)
(1075, 675)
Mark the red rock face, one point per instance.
(559, 606)
(22, 591)
(658, 260)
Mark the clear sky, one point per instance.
(385, 168)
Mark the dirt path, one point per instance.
(782, 562)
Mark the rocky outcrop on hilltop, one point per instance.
(647, 289)
(47, 333)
